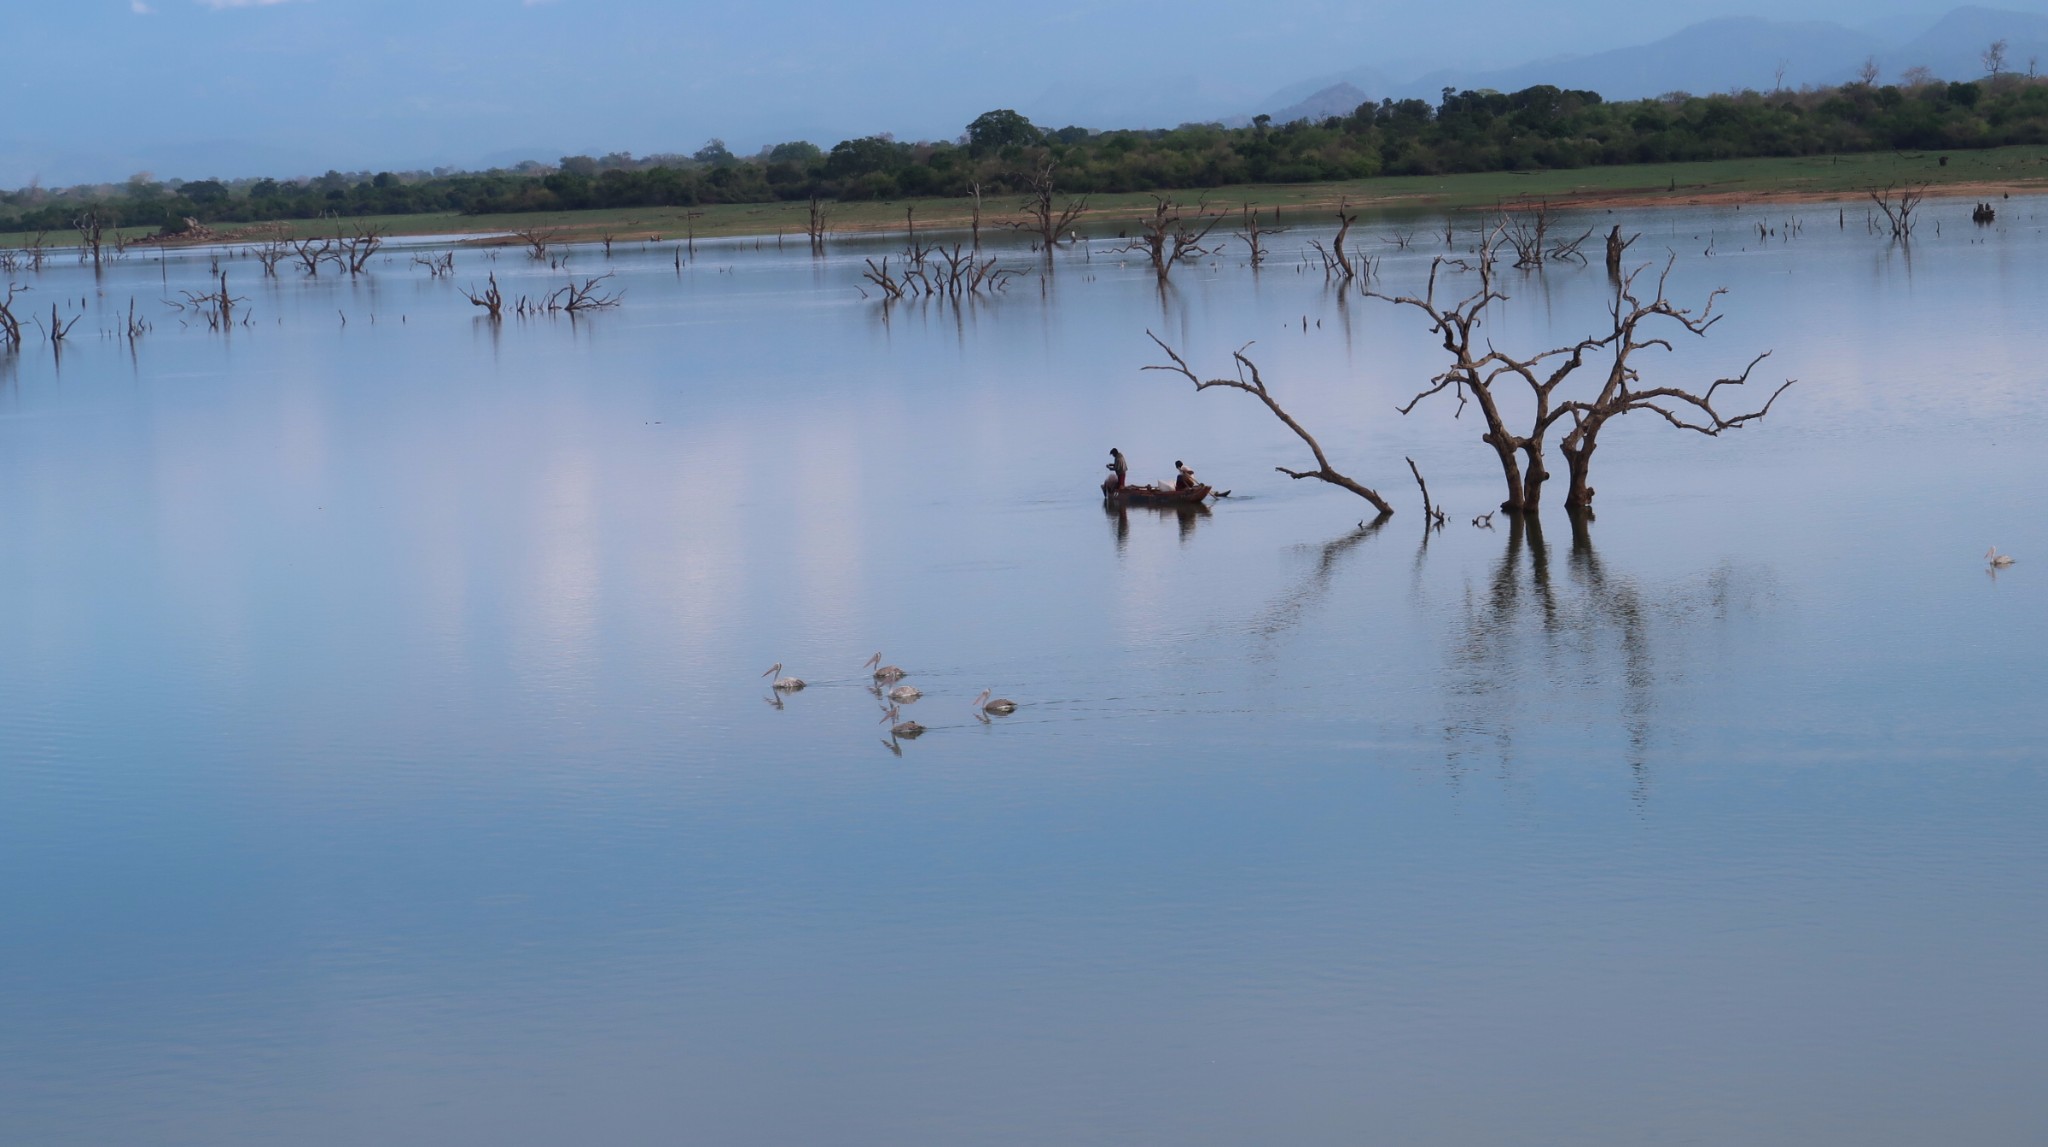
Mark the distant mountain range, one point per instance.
(1714, 56)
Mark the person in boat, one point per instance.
(1117, 468)
(1186, 478)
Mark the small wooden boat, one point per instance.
(1158, 495)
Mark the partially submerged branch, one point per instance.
(490, 299)
(1249, 381)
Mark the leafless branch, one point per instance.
(1249, 381)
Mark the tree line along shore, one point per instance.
(1469, 149)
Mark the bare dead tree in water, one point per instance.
(1482, 374)
(270, 253)
(10, 326)
(590, 295)
(136, 327)
(1528, 232)
(1899, 212)
(974, 193)
(91, 225)
(355, 249)
(1042, 217)
(1616, 248)
(439, 265)
(814, 225)
(1167, 237)
(310, 254)
(1685, 409)
(1254, 235)
(1337, 264)
(937, 272)
(490, 298)
(216, 307)
(883, 280)
(535, 241)
(58, 330)
(1249, 381)
(1477, 369)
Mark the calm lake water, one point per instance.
(384, 756)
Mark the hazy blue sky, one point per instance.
(192, 87)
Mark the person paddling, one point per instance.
(1186, 480)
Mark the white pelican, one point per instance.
(884, 672)
(905, 694)
(909, 729)
(1001, 706)
(788, 684)
(1998, 561)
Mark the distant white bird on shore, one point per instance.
(787, 684)
(1001, 706)
(884, 672)
(1998, 561)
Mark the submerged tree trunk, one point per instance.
(1578, 460)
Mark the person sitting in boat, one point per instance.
(1117, 468)
(1186, 479)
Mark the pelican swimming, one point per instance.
(884, 672)
(788, 684)
(905, 694)
(1998, 561)
(1001, 706)
(907, 729)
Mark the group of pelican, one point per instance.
(888, 676)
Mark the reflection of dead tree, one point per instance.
(1684, 409)
(91, 226)
(355, 249)
(814, 225)
(10, 327)
(1167, 238)
(1253, 234)
(1041, 217)
(490, 299)
(1899, 212)
(437, 265)
(1285, 613)
(1248, 380)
